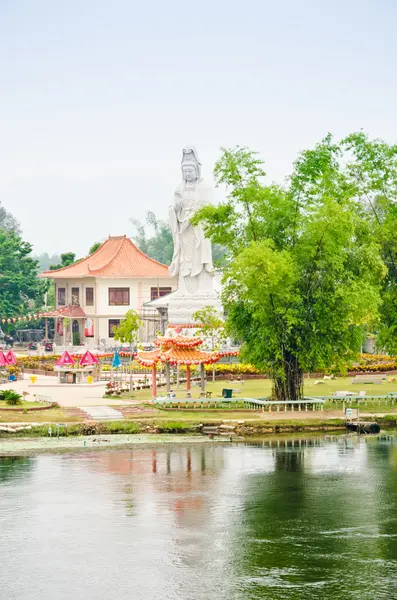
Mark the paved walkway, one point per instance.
(103, 413)
(65, 396)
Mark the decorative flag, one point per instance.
(11, 358)
(88, 359)
(65, 359)
(89, 328)
(116, 362)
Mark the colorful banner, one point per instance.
(89, 328)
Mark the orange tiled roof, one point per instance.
(179, 341)
(74, 312)
(181, 350)
(118, 257)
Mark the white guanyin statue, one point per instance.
(192, 259)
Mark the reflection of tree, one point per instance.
(12, 466)
(382, 458)
(301, 527)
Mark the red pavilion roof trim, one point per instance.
(73, 312)
(117, 257)
(178, 350)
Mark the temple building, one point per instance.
(94, 294)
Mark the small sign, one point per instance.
(349, 413)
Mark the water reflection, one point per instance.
(267, 519)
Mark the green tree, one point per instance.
(154, 238)
(212, 329)
(372, 174)
(94, 247)
(67, 259)
(45, 260)
(20, 289)
(127, 331)
(305, 270)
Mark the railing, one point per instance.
(246, 403)
(43, 399)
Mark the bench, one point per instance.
(368, 379)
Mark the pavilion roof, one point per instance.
(178, 350)
(73, 312)
(180, 341)
(117, 257)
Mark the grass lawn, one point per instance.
(53, 415)
(261, 388)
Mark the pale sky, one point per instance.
(98, 98)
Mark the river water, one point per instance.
(298, 520)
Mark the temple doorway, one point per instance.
(76, 333)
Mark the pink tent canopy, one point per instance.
(3, 360)
(65, 359)
(11, 358)
(88, 359)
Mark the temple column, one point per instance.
(188, 394)
(202, 380)
(167, 376)
(154, 382)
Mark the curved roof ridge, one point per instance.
(118, 256)
(90, 256)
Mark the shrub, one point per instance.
(12, 398)
(123, 427)
(176, 427)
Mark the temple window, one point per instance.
(75, 296)
(61, 296)
(89, 296)
(119, 296)
(113, 323)
(159, 292)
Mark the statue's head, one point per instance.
(191, 165)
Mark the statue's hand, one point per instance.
(178, 200)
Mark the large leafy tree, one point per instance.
(372, 173)
(20, 289)
(304, 269)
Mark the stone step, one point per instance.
(102, 413)
(76, 412)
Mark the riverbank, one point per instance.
(94, 435)
(31, 446)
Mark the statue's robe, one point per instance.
(192, 257)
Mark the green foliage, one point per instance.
(154, 238)
(8, 222)
(20, 289)
(127, 331)
(175, 427)
(94, 247)
(305, 271)
(212, 328)
(11, 397)
(67, 259)
(373, 173)
(45, 260)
